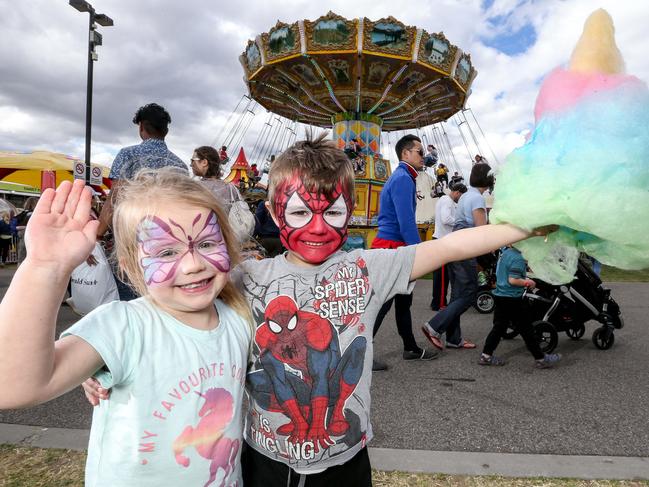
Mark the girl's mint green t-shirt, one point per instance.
(174, 414)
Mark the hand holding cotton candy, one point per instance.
(586, 163)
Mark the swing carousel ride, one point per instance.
(366, 81)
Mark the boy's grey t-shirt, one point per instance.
(309, 385)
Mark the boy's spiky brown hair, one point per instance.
(317, 162)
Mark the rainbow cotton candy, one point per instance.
(586, 164)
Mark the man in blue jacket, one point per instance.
(398, 227)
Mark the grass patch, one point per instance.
(613, 274)
(39, 467)
(609, 274)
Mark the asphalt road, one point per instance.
(593, 403)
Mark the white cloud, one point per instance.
(14, 121)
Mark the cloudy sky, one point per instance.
(184, 55)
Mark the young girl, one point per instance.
(175, 358)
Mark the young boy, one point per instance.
(511, 281)
(309, 385)
(308, 420)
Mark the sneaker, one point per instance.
(378, 365)
(550, 360)
(423, 354)
(433, 336)
(492, 360)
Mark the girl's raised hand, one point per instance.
(60, 233)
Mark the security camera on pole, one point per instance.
(94, 39)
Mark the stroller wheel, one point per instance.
(616, 321)
(576, 332)
(484, 302)
(603, 338)
(546, 335)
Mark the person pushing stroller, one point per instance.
(511, 282)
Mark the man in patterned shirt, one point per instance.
(153, 122)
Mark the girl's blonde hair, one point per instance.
(140, 198)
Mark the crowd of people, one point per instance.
(12, 230)
(196, 327)
(461, 207)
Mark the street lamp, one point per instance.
(94, 39)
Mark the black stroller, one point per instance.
(484, 301)
(569, 306)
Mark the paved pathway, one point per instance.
(417, 461)
(586, 418)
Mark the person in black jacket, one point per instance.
(266, 231)
(5, 238)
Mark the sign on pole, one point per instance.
(95, 175)
(79, 170)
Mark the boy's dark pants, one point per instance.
(261, 471)
(402, 304)
(512, 311)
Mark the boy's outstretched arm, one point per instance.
(33, 368)
(463, 244)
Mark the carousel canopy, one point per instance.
(333, 69)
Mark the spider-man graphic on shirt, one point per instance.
(304, 373)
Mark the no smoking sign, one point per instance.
(95, 175)
(79, 170)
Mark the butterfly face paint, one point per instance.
(164, 245)
(312, 225)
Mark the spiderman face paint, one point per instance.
(312, 225)
(164, 245)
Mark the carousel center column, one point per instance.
(359, 135)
